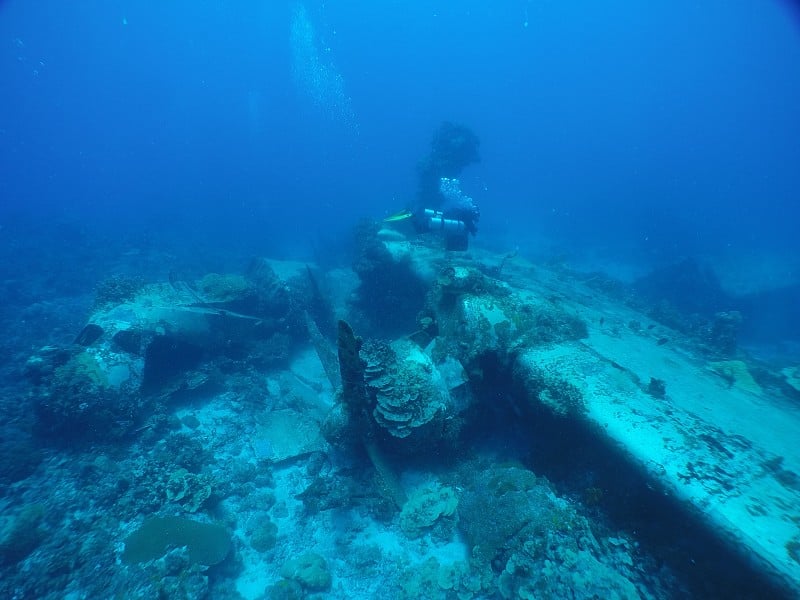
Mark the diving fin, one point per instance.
(400, 216)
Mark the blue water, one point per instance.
(619, 137)
(662, 129)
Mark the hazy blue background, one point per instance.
(641, 132)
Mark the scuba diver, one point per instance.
(455, 218)
(441, 205)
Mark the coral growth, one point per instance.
(83, 398)
(405, 389)
(117, 289)
(310, 570)
(425, 507)
(207, 543)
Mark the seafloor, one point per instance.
(422, 424)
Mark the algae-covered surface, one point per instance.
(718, 441)
(553, 445)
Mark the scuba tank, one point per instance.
(437, 222)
